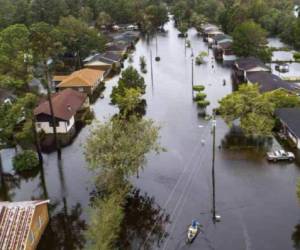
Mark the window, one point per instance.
(80, 89)
(31, 237)
(38, 125)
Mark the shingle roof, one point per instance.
(82, 78)
(291, 117)
(225, 45)
(221, 37)
(248, 63)
(65, 103)
(269, 82)
(15, 222)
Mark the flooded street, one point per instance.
(257, 200)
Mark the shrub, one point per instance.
(27, 160)
(200, 97)
(297, 56)
(203, 103)
(198, 88)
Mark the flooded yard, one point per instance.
(256, 199)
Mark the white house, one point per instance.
(66, 104)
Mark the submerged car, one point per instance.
(280, 155)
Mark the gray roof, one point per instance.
(269, 82)
(248, 63)
(291, 117)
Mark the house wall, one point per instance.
(62, 128)
(38, 225)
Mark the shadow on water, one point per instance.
(296, 237)
(65, 229)
(144, 222)
(235, 139)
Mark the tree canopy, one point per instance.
(253, 110)
(249, 39)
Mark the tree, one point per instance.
(255, 111)
(79, 39)
(129, 102)
(130, 78)
(247, 105)
(121, 145)
(45, 45)
(249, 39)
(14, 57)
(106, 217)
(103, 19)
(47, 11)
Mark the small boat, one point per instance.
(193, 231)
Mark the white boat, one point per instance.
(193, 231)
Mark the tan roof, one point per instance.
(65, 103)
(15, 222)
(59, 78)
(82, 78)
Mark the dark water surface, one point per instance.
(257, 200)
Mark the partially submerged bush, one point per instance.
(200, 57)
(198, 88)
(27, 160)
(200, 97)
(297, 56)
(203, 103)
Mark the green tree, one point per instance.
(79, 39)
(130, 78)
(14, 57)
(249, 39)
(129, 102)
(121, 145)
(44, 41)
(247, 105)
(103, 19)
(255, 111)
(106, 217)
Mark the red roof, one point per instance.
(65, 103)
(15, 222)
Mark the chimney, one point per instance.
(69, 107)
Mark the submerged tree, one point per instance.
(130, 78)
(253, 110)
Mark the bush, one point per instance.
(27, 160)
(203, 103)
(200, 97)
(297, 56)
(198, 88)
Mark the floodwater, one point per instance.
(257, 200)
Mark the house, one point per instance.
(223, 51)
(210, 31)
(247, 64)
(85, 80)
(269, 82)
(65, 104)
(104, 61)
(290, 121)
(22, 224)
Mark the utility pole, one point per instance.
(192, 56)
(151, 66)
(213, 169)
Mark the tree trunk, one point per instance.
(56, 140)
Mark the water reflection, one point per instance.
(296, 237)
(65, 229)
(236, 139)
(144, 221)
